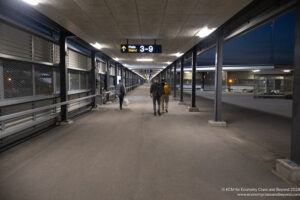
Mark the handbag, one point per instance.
(125, 102)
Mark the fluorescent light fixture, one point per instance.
(126, 65)
(32, 2)
(116, 59)
(168, 62)
(144, 59)
(256, 70)
(286, 70)
(96, 45)
(205, 31)
(178, 54)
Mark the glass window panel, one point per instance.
(43, 80)
(84, 84)
(17, 79)
(74, 80)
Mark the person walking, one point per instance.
(165, 97)
(120, 92)
(155, 93)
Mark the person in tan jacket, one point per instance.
(165, 96)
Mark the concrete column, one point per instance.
(218, 82)
(181, 78)
(174, 79)
(63, 76)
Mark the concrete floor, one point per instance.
(281, 107)
(132, 155)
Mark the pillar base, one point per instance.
(193, 109)
(64, 123)
(214, 123)
(181, 103)
(288, 169)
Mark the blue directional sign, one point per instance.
(140, 48)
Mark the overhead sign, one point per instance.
(140, 48)
(148, 71)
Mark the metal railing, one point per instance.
(28, 118)
(34, 111)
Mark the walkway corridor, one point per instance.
(133, 155)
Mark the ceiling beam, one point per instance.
(257, 13)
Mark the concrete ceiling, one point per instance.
(173, 23)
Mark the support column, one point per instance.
(290, 169)
(122, 74)
(181, 78)
(107, 76)
(166, 75)
(193, 107)
(174, 79)
(203, 81)
(130, 79)
(63, 76)
(93, 78)
(116, 74)
(218, 82)
(125, 77)
(170, 75)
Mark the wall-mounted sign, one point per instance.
(140, 48)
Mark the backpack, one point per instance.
(122, 89)
(167, 89)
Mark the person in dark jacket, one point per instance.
(155, 93)
(120, 92)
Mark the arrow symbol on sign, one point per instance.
(123, 48)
